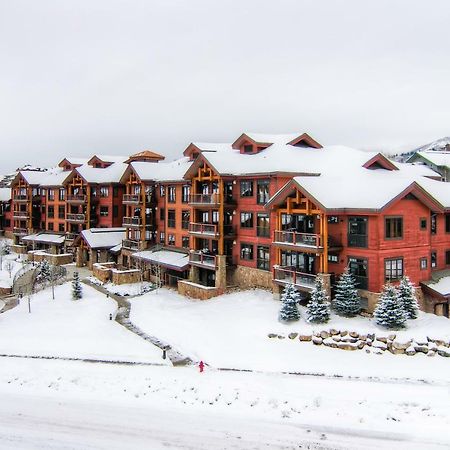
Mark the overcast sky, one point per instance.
(116, 77)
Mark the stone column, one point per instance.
(221, 272)
(439, 309)
(79, 257)
(277, 289)
(194, 274)
(326, 278)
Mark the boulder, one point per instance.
(380, 345)
(329, 342)
(336, 338)
(281, 337)
(396, 351)
(363, 337)
(346, 346)
(324, 334)
(343, 333)
(382, 339)
(443, 351)
(292, 335)
(371, 336)
(410, 351)
(272, 335)
(354, 334)
(431, 353)
(392, 336)
(334, 332)
(438, 342)
(361, 345)
(421, 348)
(399, 345)
(317, 340)
(305, 337)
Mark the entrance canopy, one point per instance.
(166, 258)
(45, 238)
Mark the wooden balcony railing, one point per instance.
(76, 218)
(71, 236)
(20, 231)
(131, 222)
(298, 239)
(204, 199)
(129, 244)
(76, 198)
(132, 199)
(21, 198)
(209, 229)
(287, 275)
(21, 214)
(201, 259)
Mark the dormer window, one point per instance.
(248, 148)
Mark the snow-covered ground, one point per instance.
(75, 329)
(7, 273)
(231, 331)
(74, 405)
(124, 290)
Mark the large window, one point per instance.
(170, 239)
(262, 225)
(186, 190)
(262, 192)
(171, 194)
(171, 218)
(357, 232)
(247, 252)
(433, 223)
(247, 188)
(51, 212)
(393, 269)
(359, 268)
(62, 194)
(185, 241)
(51, 194)
(61, 212)
(246, 220)
(185, 219)
(433, 260)
(262, 257)
(162, 214)
(393, 227)
(104, 191)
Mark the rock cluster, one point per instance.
(371, 343)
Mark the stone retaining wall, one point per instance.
(54, 260)
(195, 290)
(249, 277)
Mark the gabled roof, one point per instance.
(379, 160)
(439, 159)
(102, 238)
(146, 155)
(32, 177)
(161, 172)
(207, 147)
(108, 159)
(93, 175)
(75, 162)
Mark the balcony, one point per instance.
(21, 214)
(76, 218)
(287, 275)
(132, 222)
(21, 198)
(71, 236)
(204, 229)
(303, 241)
(20, 231)
(76, 199)
(204, 200)
(131, 199)
(129, 244)
(200, 259)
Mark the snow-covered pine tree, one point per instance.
(318, 308)
(77, 291)
(289, 300)
(407, 296)
(346, 302)
(44, 272)
(389, 311)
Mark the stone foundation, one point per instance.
(249, 277)
(102, 272)
(5, 291)
(194, 290)
(125, 276)
(54, 260)
(19, 249)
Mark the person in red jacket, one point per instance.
(201, 366)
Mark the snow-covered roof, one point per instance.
(5, 194)
(213, 146)
(34, 177)
(273, 138)
(439, 190)
(170, 171)
(45, 238)
(103, 237)
(171, 259)
(111, 158)
(80, 161)
(111, 174)
(55, 178)
(441, 159)
(442, 286)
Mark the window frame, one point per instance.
(242, 192)
(394, 273)
(393, 222)
(246, 246)
(251, 218)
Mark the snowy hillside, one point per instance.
(439, 145)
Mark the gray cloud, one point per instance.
(112, 76)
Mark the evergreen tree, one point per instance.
(389, 311)
(289, 300)
(77, 291)
(44, 272)
(407, 296)
(318, 308)
(347, 301)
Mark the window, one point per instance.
(447, 223)
(104, 211)
(104, 191)
(393, 227)
(247, 252)
(61, 227)
(171, 193)
(170, 239)
(262, 225)
(262, 189)
(50, 226)
(333, 258)
(115, 211)
(246, 220)
(162, 237)
(423, 263)
(423, 223)
(393, 269)
(433, 223)
(185, 241)
(357, 232)
(162, 191)
(51, 194)
(247, 188)
(115, 191)
(186, 190)
(162, 214)
(185, 219)
(262, 257)
(248, 148)
(333, 219)
(447, 257)
(61, 212)
(359, 268)
(62, 194)
(171, 220)
(51, 212)
(433, 260)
